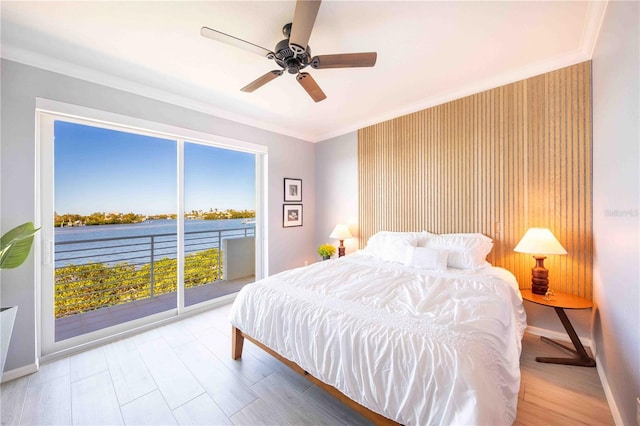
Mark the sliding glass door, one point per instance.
(139, 226)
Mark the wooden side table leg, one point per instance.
(582, 359)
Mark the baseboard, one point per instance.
(16, 373)
(555, 335)
(615, 412)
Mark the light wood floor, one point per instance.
(182, 373)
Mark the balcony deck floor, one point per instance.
(76, 325)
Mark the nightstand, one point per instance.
(560, 302)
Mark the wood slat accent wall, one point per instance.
(497, 162)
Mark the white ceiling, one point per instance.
(428, 53)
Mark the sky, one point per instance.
(102, 170)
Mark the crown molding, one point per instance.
(596, 11)
(49, 63)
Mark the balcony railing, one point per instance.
(97, 273)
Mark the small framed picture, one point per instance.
(292, 189)
(291, 215)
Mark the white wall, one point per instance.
(616, 199)
(337, 189)
(21, 84)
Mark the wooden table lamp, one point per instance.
(539, 242)
(340, 232)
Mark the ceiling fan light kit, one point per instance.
(293, 54)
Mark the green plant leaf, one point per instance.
(16, 244)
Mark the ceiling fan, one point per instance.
(293, 54)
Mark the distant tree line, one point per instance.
(98, 218)
(162, 216)
(214, 214)
(102, 218)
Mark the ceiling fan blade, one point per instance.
(303, 19)
(234, 41)
(344, 60)
(261, 81)
(310, 85)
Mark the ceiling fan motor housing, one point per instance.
(286, 58)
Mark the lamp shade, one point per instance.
(539, 241)
(340, 232)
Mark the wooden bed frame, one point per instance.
(237, 342)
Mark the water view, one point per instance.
(89, 242)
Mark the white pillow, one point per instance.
(466, 251)
(392, 246)
(427, 258)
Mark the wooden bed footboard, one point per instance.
(237, 342)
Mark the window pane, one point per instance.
(115, 218)
(219, 221)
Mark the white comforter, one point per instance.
(419, 347)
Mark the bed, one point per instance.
(416, 328)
